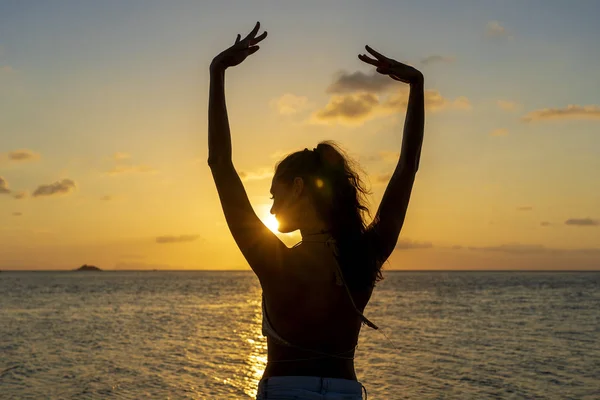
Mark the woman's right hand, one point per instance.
(395, 69)
(239, 51)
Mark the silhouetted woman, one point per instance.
(315, 292)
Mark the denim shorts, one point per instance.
(309, 388)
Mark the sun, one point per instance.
(272, 223)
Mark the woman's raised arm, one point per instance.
(386, 226)
(261, 248)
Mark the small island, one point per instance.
(86, 267)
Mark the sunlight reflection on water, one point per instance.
(257, 359)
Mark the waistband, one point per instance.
(312, 383)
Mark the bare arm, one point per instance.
(261, 248)
(385, 228)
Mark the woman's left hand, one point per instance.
(237, 53)
(395, 69)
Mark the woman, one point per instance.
(314, 293)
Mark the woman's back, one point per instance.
(313, 313)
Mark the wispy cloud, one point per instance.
(507, 105)
(385, 156)
(125, 169)
(461, 103)
(582, 222)
(134, 265)
(64, 186)
(290, 104)
(533, 249)
(106, 198)
(499, 132)
(279, 154)
(23, 155)
(406, 244)
(258, 174)
(545, 223)
(4, 186)
(382, 178)
(515, 248)
(524, 208)
(118, 156)
(176, 239)
(17, 214)
(495, 29)
(346, 82)
(434, 101)
(570, 112)
(436, 58)
(20, 195)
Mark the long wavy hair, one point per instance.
(340, 198)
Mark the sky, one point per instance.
(103, 126)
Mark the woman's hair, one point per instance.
(339, 196)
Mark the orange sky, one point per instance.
(103, 139)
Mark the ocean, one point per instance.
(197, 335)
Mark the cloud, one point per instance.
(382, 178)
(495, 29)
(534, 249)
(434, 101)
(20, 195)
(385, 156)
(176, 239)
(4, 186)
(462, 103)
(350, 108)
(7, 69)
(499, 132)
(436, 58)
(515, 248)
(545, 223)
(572, 111)
(290, 104)
(524, 208)
(582, 222)
(106, 198)
(17, 214)
(133, 256)
(124, 169)
(279, 154)
(22, 155)
(406, 244)
(259, 174)
(507, 105)
(64, 186)
(132, 265)
(358, 81)
(355, 99)
(118, 156)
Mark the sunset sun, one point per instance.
(271, 223)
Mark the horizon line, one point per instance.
(249, 270)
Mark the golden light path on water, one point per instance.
(257, 359)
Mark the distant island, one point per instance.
(86, 267)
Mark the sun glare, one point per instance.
(271, 223)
